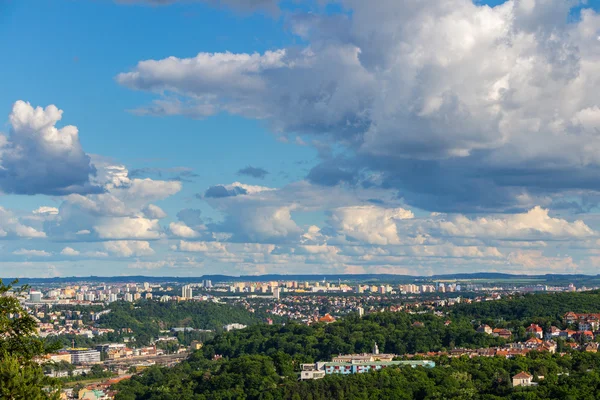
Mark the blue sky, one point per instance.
(399, 137)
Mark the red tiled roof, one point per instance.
(522, 375)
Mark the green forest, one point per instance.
(262, 361)
(147, 318)
(574, 376)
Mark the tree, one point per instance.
(21, 377)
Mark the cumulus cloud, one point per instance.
(123, 211)
(11, 227)
(180, 229)
(45, 210)
(370, 224)
(128, 228)
(69, 251)
(201, 247)
(154, 212)
(403, 86)
(31, 253)
(128, 248)
(39, 158)
(534, 224)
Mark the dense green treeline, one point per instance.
(573, 376)
(393, 332)
(545, 309)
(147, 318)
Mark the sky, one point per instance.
(245, 137)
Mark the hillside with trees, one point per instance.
(147, 318)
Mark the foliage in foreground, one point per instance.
(21, 377)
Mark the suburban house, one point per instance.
(502, 333)
(535, 330)
(522, 379)
(485, 329)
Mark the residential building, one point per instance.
(535, 330)
(232, 327)
(187, 292)
(84, 356)
(522, 379)
(485, 329)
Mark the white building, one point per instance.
(276, 293)
(522, 379)
(232, 327)
(187, 292)
(84, 356)
(35, 296)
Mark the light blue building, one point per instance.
(348, 368)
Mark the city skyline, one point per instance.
(277, 137)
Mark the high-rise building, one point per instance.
(276, 293)
(35, 296)
(187, 292)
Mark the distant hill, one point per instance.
(372, 278)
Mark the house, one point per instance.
(311, 371)
(592, 347)
(535, 330)
(567, 333)
(549, 345)
(485, 329)
(533, 342)
(502, 333)
(584, 336)
(327, 318)
(418, 324)
(570, 317)
(553, 332)
(522, 379)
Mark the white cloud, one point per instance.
(123, 211)
(154, 212)
(127, 228)
(45, 210)
(69, 251)
(31, 253)
(38, 157)
(370, 224)
(403, 86)
(535, 262)
(10, 226)
(534, 224)
(202, 247)
(128, 248)
(180, 229)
